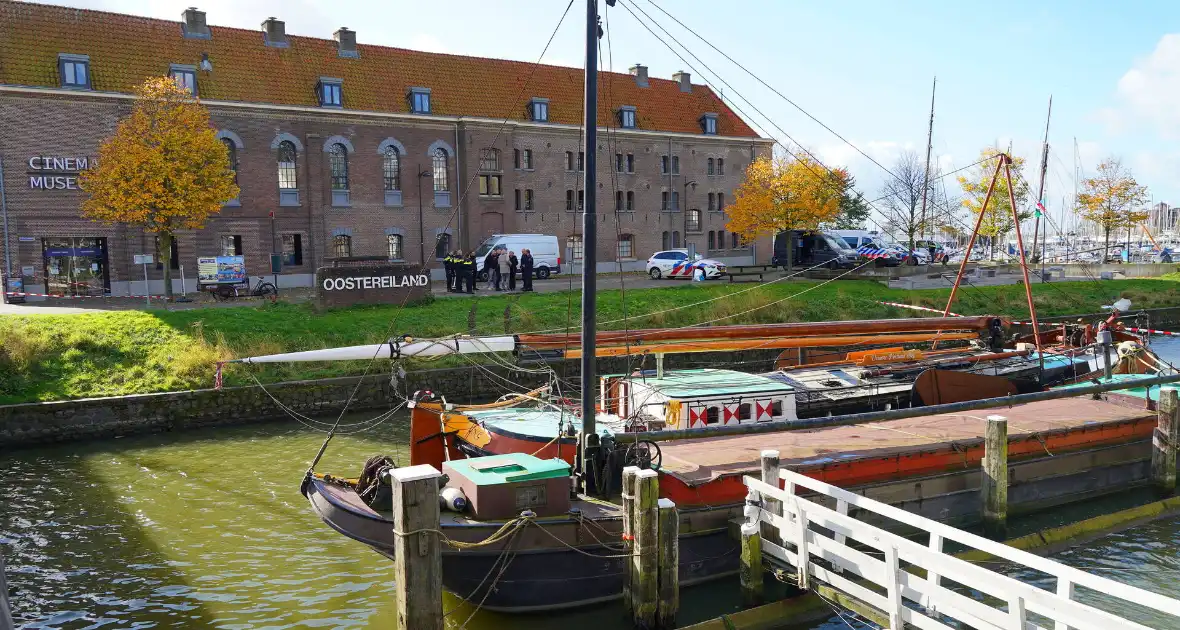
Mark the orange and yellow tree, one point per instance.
(998, 220)
(163, 170)
(1112, 199)
(782, 194)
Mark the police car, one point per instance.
(675, 263)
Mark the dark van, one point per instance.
(812, 249)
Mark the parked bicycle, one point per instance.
(225, 292)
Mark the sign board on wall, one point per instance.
(221, 270)
(371, 284)
(54, 172)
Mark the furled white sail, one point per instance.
(395, 347)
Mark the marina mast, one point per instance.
(1040, 209)
(590, 242)
(926, 177)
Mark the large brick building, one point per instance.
(332, 141)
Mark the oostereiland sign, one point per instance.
(56, 172)
(370, 284)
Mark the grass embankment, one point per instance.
(50, 357)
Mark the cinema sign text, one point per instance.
(55, 172)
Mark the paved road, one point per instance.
(552, 285)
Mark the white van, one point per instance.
(546, 258)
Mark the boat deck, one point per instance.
(699, 462)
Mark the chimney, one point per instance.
(345, 42)
(684, 79)
(194, 26)
(274, 32)
(640, 73)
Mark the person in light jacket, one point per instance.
(504, 268)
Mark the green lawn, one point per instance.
(48, 357)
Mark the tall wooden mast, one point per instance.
(926, 177)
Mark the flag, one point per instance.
(1040, 209)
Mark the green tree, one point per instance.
(854, 210)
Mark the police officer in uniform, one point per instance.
(469, 272)
(449, 265)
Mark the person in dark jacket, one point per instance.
(449, 266)
(489, 266)
(513, 263)
(526, 270)
(469, 272)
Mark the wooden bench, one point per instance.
(740, 274)
(744, 268)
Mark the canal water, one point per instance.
(207, 529)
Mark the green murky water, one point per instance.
(207, 529)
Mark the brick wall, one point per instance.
(74, 124)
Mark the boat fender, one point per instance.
(452, 499)
(753, 505)
(1128, 348)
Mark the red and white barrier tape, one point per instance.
(81, 297)
(1152, 331)
(918, 308)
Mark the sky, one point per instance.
(864, 68)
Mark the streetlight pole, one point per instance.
(422, 174)
(693, 183)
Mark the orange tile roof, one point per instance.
(125, 49)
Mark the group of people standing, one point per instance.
(501, 266)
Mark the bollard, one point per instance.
(994, 480)
(750, 572)
(669, 527)
(417, 548)
(630, 485)
(770, 477)
(1164, 440)
(645, 556)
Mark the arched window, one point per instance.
(394, 241)
(440, 170)
(442, 244)
(342, 246)
(733, 237)
(391, 168)
(288, 180)
(666, 241)
(338, 164)
(676, 238)
(709, 166)
(231, 153)
(712, 241)
(721, 239)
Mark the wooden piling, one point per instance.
(417, 548)
(750, 571)
(669, 528)
(770, 476)
(1165, 440)
(645, 557)
(630, 485)
(994, 480)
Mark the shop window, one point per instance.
(292, 250)
(342, 246)
(231, 245)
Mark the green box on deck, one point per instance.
(510, 468)
(503, 486)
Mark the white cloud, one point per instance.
(1149, 91)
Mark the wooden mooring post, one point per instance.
(1164, 442)
(750, 571)
(993, 485)
(651, 525)
(417, 548)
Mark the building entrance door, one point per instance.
(75, 266)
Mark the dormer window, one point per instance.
(74, 71)
(539, 110)
(419, 100)
(185, 77)
(627, 117)
(709, 124)
(330, 92)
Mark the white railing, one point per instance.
(838, 550)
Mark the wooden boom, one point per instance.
(760, 344)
